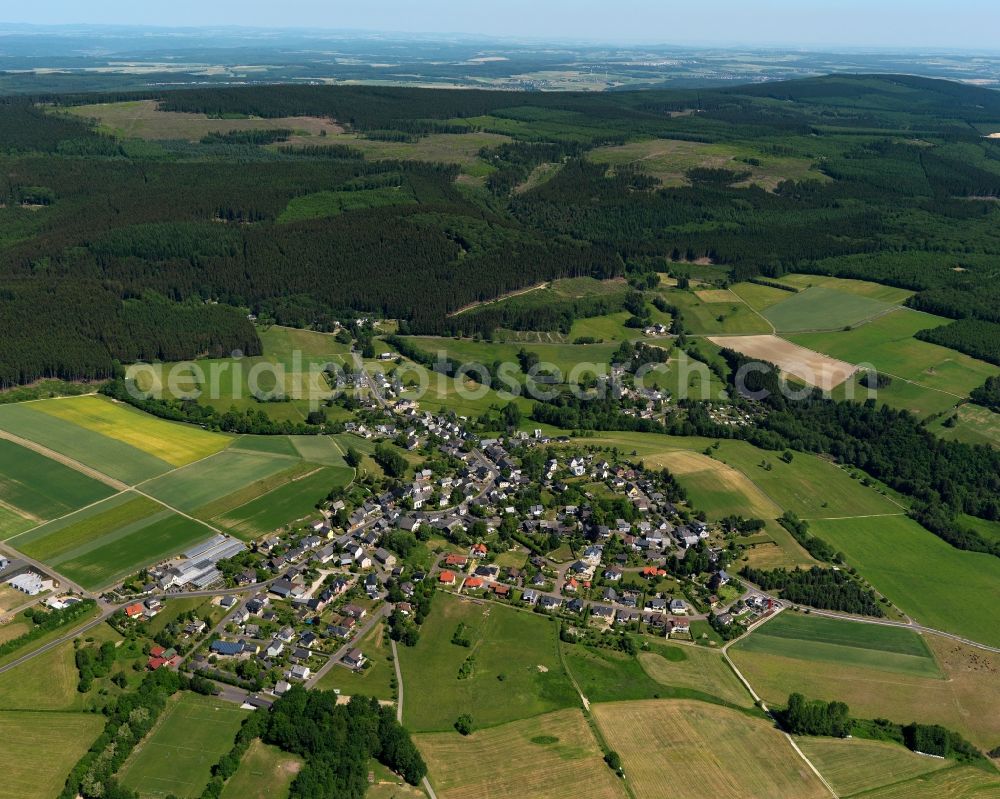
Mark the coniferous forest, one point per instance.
(170, 244)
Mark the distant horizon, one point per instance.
(333, 33)
(873, 26)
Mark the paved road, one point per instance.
(334, 660)
(108, 610)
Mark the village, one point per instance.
(526, 520)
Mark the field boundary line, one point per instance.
(65, 460)
(770, 324)
(763, 705)
(271, 491)
(67, 515)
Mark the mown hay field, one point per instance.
(680, 749)
(40, 748)
(960, 782)
(972, 683)
(264, 773)
(552, 756)
(855, 765)
(805, 365)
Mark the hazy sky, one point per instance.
(973, 24)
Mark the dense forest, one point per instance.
(164, 238)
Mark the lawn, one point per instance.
(872, 691)
(107, 455)
(688, 750)
(201, 483)
(832, 641)
(288, 503)
(177, 444)
(377, 680)
(41, 748)
(553, 756)
(822, 308)
(938, 585)
(38, 488)
(178, 754)
(853, 766)
(264, 773)
(887, 344)
(517, 645)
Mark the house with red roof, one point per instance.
(478, 551)
(133, 611)
(473, 582)
(446, 577)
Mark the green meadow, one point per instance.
(836, 642)
(288, 503)
(177, 756)
(940, 586)
(810, 486)
(200, 483)
(732, 317)
(38, 488)
(887, 343)
(822, 308)
(863, 288)
(515, 671)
